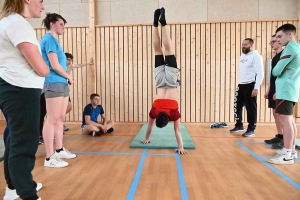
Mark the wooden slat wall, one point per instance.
(207, 53)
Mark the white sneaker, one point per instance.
(12, 194)
(65, 154)
(294, 155)
(282, 159)
(280, 152)
(38, 186)
(55, 162)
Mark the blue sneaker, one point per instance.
(237, 129)
(249, 133)
(215, 125)
(223, 125)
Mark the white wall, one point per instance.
(141, 11)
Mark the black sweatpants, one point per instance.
(43, 113)
(22, 107)
(243, 98)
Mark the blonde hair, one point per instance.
(11, 6)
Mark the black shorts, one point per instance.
(271, 102)
(168, 60)
(284, 107)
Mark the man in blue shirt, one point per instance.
(91, 112)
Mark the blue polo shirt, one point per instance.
(92, 112)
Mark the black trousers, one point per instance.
(43, 113)
(243, 98)
(22, 107)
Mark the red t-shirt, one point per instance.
(168, 106)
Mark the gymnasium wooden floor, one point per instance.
(223, 166)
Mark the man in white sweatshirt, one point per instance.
(251, 77)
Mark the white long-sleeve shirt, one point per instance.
(251, 68)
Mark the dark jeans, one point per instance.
(243, 98)
(22, 107)
(6, 130)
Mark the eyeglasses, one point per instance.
(272, 42)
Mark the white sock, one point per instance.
(287, 152)
(294, 148)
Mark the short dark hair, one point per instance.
(250, 40)
(287, 28)
(92, 96)
(162, 119)
(52, 17)
(68, 55)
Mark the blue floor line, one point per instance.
(270, 166)
(252, 142)
(137, 177)
(183, 191)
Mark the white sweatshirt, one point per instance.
(251, 67)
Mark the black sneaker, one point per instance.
(110, 130)
(66, 128)
(41, 140)
(97, 133)
(274, 140)
(249, 133)
(278, 145)
(237, 129)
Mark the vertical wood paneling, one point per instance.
(202, 72)
(187, 86)
(139, 76)
(258, 46)
(198, 73)
(107, 94)
(228, 94)
(222, 77)
(193, 74)
(218, 62)
(112, 73)
(116, 75)
(207, 54)
(212, 57)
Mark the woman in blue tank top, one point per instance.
(56, 91)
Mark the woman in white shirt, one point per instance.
(22, 72)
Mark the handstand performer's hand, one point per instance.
(181, 151)
(146, 141)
